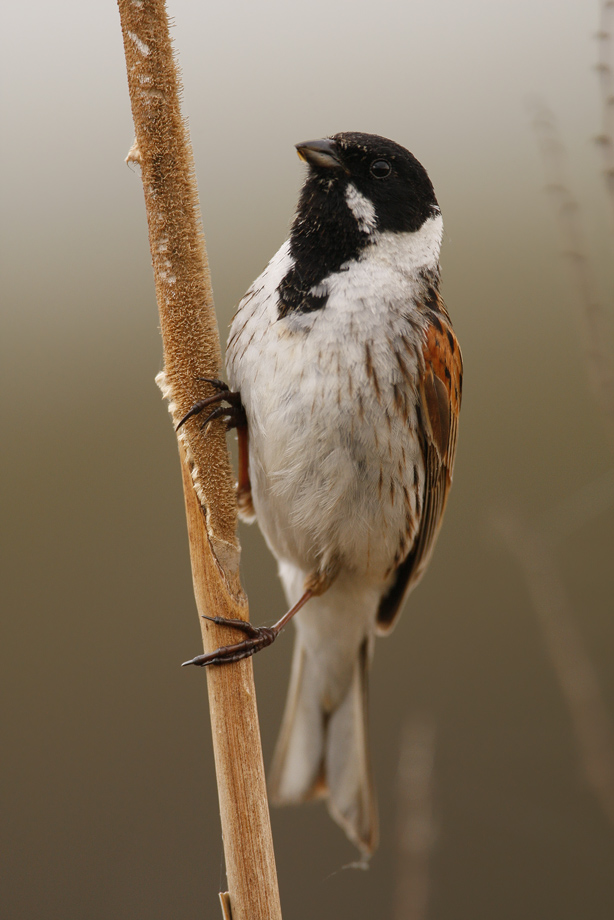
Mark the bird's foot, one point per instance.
(258, 637)
(233, 414)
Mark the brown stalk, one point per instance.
(576, 675)
(192, 351)
(595, 318)
(533, 546)
(605, 70)
(416, 825)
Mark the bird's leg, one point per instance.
(258, 637)
(234, 413)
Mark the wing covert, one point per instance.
(440, 390)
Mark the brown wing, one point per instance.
(440, 399)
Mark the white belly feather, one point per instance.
(336, 469)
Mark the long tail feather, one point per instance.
(324, 753)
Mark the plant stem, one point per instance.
(192, 351)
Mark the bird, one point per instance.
(344, 385)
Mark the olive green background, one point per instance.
(110, 806)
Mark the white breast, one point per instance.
(335, 462)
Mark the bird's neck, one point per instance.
(324, 236)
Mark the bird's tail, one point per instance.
(323, 749)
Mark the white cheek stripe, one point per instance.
(412, 251)
(362, 209)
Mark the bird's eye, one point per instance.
(380, 169)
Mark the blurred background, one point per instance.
(492, 706)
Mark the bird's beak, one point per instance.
(321, 153)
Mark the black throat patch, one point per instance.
(325, 234)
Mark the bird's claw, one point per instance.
(242, 625)
(258, 638)
(216, 383)
(233, 414)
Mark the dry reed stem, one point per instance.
(531, 546)
(596, 321)
(605, 70)
(416, 828)
(246, 829)
(191, 350)
(592, 727)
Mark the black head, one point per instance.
(358, 185)
(385, 173)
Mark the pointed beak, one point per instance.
(322, 153)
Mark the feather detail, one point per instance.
(323, 750)
(440, 389)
